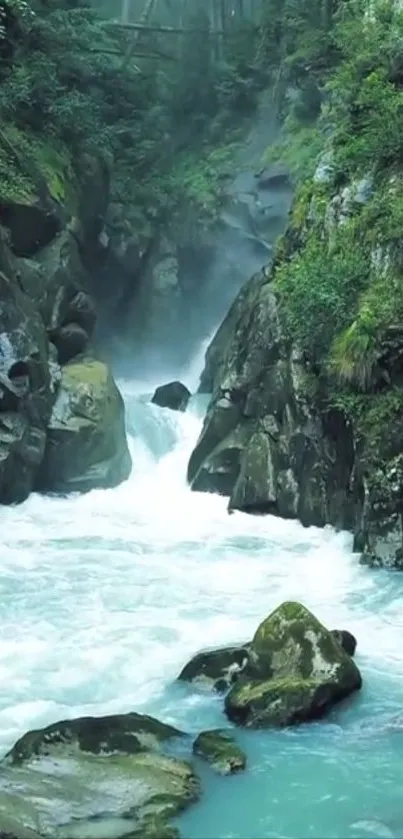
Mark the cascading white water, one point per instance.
(104, 597)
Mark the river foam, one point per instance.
(103, 598)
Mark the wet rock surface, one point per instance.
(294, 670)
(86, 441)
(216, 669)
(96, 777)
(346, 640)
(297, 671)
(173, 395)
(263, 441)
(220, 750)
(27, 392)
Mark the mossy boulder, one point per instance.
(220, 749)
(97, 777)
(297, 671)
(216, 669)
(86, 443)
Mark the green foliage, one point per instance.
(366, 96)
(298, 148)
(13, 9)
(354, 352)
(201, 178)
(63, 84)
(318, 288)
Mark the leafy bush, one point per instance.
(65, 83)
(318, 289)
(366, 92)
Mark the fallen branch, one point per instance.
(165, 30)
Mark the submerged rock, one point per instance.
(96, 778)
(297, 671)
(173, 395)
(86, 445)
(220, 749)
(216, 669)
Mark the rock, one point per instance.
(53, 279)
(263, 441)
(296, 672)
(346, 640)
(31, 226)
(110, 776)
(173, 395)
(216, 669)
(81, 310)
(220, 750)
(11, 830)
(70, 341)
(26, 392)
(86, 445)
(273, 177)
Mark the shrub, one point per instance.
(318, 290)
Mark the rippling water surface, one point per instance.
(104, 597)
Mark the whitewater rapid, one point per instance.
(105, 596)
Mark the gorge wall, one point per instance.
(305, 418)
(101, 164)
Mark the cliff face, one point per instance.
(48, 416)
(306, 415)
(54, 397)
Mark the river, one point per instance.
(105, 596)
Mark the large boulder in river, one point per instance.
(86, 444)
(97, 777)
(297, 671)
(27, 391)
(218, 670)
(173, 395)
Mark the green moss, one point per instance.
(220, 750)
(289, 639)
(319, 288)
(301, 204)
(34, 159)
(278, 702)
(298, 148)
(89, 372)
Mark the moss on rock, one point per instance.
(86, 445)
(297, 670)
(219, 748)
(97, 777)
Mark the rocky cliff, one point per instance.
(305, 419)
(61, 416)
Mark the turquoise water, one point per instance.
(104, 597)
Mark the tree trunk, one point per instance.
(144, 18)
(125, 11)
